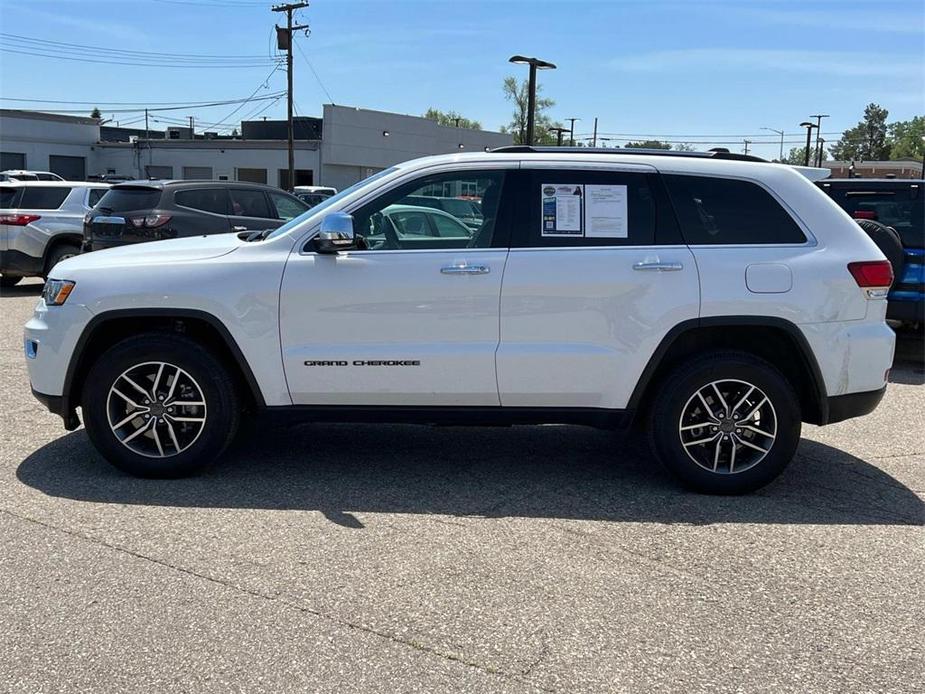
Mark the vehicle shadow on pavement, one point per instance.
(529, 471)
(21, 290)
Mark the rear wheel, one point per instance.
(160, 405)
(726, 423)
(60, 252)
(10, 280)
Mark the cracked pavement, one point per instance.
(323, 557)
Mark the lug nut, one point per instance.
(147, 416)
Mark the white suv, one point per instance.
(716, 299)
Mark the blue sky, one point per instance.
(720, 69)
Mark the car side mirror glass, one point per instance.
(336, 234)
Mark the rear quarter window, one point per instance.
(213, 200)
(722, 211)
(39, 198)
(8, 197)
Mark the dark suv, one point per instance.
(152, 210)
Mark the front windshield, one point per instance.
(330, 202)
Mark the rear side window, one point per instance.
(249, 203)
(715, 211)
(213, 200)
(8, 198)
(129, 199)
(589, 208)
(287, 207)
(95, 195)
(38, 198)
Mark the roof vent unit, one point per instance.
(177, 133)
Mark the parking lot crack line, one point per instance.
(430, 650)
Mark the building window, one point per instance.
(197, 173)
(159, 172)
(12, 160)
(303, 177)
(251, 175)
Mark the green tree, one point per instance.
(647, 144)
(906, 138)
(451, 118)
(684, 147)
(518, 94)
(867, 140)
(797, 156)
(95, 113)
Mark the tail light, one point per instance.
(864, 214)
(18, 220)
(151, 220)
(874, 276)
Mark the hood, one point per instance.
(152, 253)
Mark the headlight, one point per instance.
(56, 292)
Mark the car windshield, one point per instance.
(331, 201)
(459, 208)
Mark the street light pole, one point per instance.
(809, 131)
(781, 133)
(571, 131)
(558, 132)
(819, 117)
(535, 64)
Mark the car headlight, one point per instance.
(56, 292)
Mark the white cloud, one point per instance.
(840, 63)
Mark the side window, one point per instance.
(95, 195)
(39, 198)
(406, 218)
(249, 203)
(716, 211)
(287, 207)
(214, 200)
(569, 208)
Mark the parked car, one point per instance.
(409, 225)
(891, 211)
(152, 210)
(715, 300)
(466, 211)
(313, 195)
(41, 223)
(21, 175)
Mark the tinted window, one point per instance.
(129, 199)
(388, 223)
(38, 198)
(287, 207)
(597, 208)
(213, 200)
(448, 227)
(726, 211)
(901, 207)
(95, 195)
(8, 198)
(249, 203)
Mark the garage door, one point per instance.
(197, 173)
(12, 160)
(69, 168)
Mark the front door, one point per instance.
(411, 320)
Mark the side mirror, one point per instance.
(336, 234)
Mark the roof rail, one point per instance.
(713, 154)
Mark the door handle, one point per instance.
(658, 266)
(236, 229)
(465, 269)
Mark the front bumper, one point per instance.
(56, 404)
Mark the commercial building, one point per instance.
(899, 168)
(344, 146)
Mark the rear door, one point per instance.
(597, 276)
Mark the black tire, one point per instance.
(7, 281)
(672, 402)
(60, 252)
(888, 241)
(222, 412)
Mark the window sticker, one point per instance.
(605, 212)
(562, 210)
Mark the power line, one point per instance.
(263, 85)
(126, 52)
(315, 73)
(125, 63)
(178, 107)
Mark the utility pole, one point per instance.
(809, 131)
(191, 131)
(594, 140)
(571, 131)
(818, 117)
(747, 143)
(821, 141)
(284, 40)
(558, 132)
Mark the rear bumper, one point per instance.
(906, 310)
(20, 264)
(842, 407)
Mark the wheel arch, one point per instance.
(775, 340)
(65, 239)
(105, 329)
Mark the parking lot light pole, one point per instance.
(558, 132)
(818, 117)
(571, 131)
(781, 133)
(809, 133)
(535, 64)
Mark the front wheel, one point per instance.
(160, 405)
(726, 423)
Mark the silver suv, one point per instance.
(41, 224)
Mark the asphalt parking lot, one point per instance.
(397, 558)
